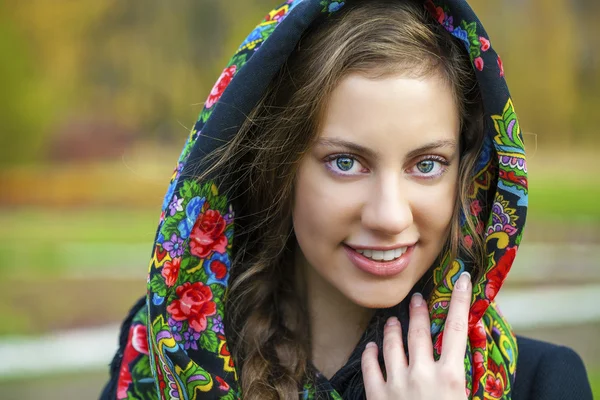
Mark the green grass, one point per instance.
(89, 225)
(564, 199)
(594, 376)
(76, 385)
(37, 306)
(47, 241)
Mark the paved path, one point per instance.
(548, 306)
(540, 263)
(69, 351)
(92, 349)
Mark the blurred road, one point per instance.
(92, 349)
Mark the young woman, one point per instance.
(356, 167)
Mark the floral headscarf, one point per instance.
(174, 344)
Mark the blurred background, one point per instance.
(97, 100)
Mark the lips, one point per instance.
(383, 268)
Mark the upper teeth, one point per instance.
(386, 255)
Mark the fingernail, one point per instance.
(371, 345)
(392, 321)
(463, 281)
(416, 300)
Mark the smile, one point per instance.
(381, 263)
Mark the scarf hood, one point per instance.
(176, 344)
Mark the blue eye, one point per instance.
(430, 167)
(345, 163)
(426, 166)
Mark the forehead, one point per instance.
(400, 110)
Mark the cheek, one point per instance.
(434, 209)
(323, 210)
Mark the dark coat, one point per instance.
(549, 372)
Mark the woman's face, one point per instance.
(383, 176)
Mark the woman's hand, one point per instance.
(424, 378)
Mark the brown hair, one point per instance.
(266, 320)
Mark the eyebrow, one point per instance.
(337, 142)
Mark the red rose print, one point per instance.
(493, 387)
(430, 7)
(208, 234)
(500, 66)
(170, 271)
(494, 382)
(219, 88)
(475, 207)
(485, 44)
(478, 337)
(219, 269)
(124, 382)
(440, 15)
(194, 303)
(477, 311)
(222, 384)
(491, 289)
(478, 370)
(478, 63)
(469, 241)
(139, 339)
(479, 227)
(438, 343)
(497, 275)
(436, 12)
(132, 350)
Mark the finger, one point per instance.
(372, 375)
(420, 347)
(393, 349)
(454, 342)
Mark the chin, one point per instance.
(376, 299)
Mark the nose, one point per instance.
(387, 210)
